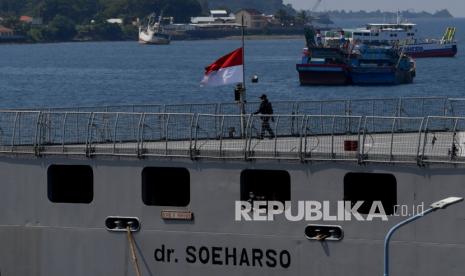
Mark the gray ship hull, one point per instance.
(39, 237)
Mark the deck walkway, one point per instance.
(381, 147)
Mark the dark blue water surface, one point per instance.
(114, 73)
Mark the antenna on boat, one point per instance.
(160, 18)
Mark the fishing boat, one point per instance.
(322, 64)
(338, 61)
(152, 32)
(445, 47)
(381, 66)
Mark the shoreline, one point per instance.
(263, 37)
(234, 37)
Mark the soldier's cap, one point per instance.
(263, 96)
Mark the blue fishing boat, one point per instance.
(323, 64)
(381, 65)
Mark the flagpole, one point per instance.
(243, 54)
(242, 98)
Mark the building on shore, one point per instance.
(6, 32)
(118, 21)
(9, 35)
(220, 24)
(31, 20)
(219, 20)
(216, 17)
(253, 19)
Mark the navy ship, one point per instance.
(153, 189)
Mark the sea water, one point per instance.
(118, 73)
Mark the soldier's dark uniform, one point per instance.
(265, 109)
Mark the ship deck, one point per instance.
(380, 147)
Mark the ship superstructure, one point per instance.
(406, 35)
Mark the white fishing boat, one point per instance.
(152, 32)
(404, 34)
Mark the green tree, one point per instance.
(181, 10)
(10, 22)
(49, 9)
(205, 6)
(283, 17)
(37, 34)
(301, 18)
(265, 6)
(86, 10)
(130, 32)
(61, 28)
(80, 11)
(12, 7)
(107, 31)
(129, 8)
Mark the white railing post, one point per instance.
(454, 149)
(191, 136)
(140, 138)
(115, 132)
(89, 134)
(276, 136)
(392, 138)
(13, 136)
(359, 147)
(168, 117)
(221, 134)
(425, 138)
(332, 138)
(63, 138)
(36, 146)
(362, 155)
(419, 141)
(195, 149)
(248, 136)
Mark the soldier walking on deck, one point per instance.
(265, 109)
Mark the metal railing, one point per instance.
(398, 107)
(392, 139)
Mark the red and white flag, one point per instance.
(226, 70)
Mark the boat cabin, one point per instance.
(384, 33)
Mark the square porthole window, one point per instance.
(165, 186)
(370, 187)
(265, 185)
(70, 184)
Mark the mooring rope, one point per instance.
(133, 252)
